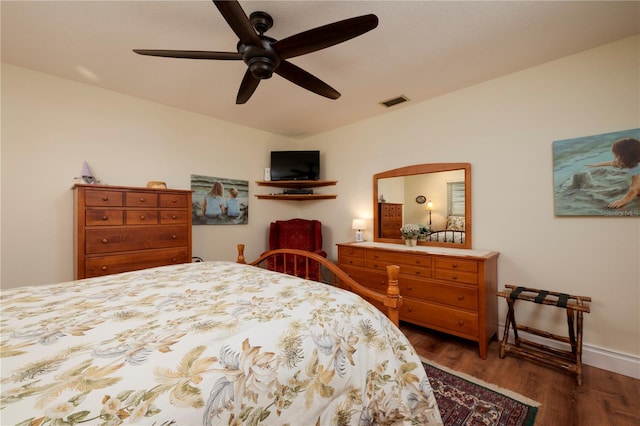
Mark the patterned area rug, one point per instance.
(466, 400)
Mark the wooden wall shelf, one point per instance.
(296, 184)
(297, 197)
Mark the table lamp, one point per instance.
(359, 225)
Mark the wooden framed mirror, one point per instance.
(436, 196)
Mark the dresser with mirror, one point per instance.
(445, 284)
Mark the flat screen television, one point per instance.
(295, 165)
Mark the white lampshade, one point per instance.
(358, 224)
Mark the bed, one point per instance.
(205, 343)
(446, 236)
(454, 231)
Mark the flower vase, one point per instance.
(411, 242)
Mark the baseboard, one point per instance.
(616, 362)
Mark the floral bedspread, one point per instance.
(205, 343)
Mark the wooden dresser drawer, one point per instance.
(456, 276)
(405, 270)
(174, 201)
(100, 217)
(351, 252)
(141, 199)
(105, 265)
(439, 317)
(464, 297)
(170, 216)
(107, 240)
(414, 272)
(104, 198)
(373, 280)
(457, 265)
(349, 260)
(142, 217)
(376, 257)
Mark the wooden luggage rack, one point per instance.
(575, 306)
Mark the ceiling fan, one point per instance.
(265, 55)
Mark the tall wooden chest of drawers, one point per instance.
(390, 217)
(449, 290)
(120, 229)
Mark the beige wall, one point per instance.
(504, 128)
(51, 125)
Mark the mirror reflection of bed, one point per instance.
(453, 232)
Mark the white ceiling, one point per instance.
(420, 49)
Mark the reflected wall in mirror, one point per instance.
(437, 196)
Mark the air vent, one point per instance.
(395, 101)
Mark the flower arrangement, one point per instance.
(410, 231)
(424, 232)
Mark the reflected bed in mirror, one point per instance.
(435, 196)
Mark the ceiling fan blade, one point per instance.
(190, 54)
(247, 87)
(324, 36)
(236, 18)
(303, 79)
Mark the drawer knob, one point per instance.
(174, 236)
(105, 198)
(460, 323)
(174, 201)
(461, 298)
(104, 268)
(455, 265)
(105, 217)
(174, 217)
(410, 309)
(142, 200)
(142, 217)
(454, 277)
(410, 287)
(174, 260)
(105, 241)
(417, 272)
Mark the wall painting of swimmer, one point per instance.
(219, 201)
(598, 175)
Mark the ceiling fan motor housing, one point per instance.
(262, 61)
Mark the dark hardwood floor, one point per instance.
(604, 398)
